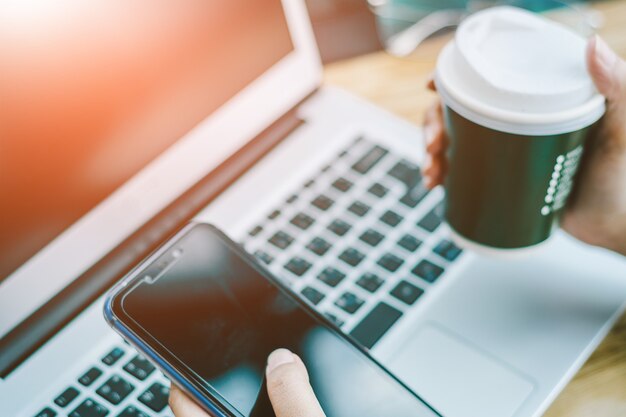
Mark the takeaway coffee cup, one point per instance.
(518, 104)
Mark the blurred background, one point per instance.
(86, 77)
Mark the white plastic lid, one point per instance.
(516, 71)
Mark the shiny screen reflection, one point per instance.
(221, 318)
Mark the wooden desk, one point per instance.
(398, 85)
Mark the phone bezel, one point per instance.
(169, 364)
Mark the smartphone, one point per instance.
(208, 314)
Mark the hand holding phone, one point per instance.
(207, 314)
(287, 384)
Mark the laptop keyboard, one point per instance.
(361, 241)
(120, 383)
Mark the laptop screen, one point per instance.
(49, 179)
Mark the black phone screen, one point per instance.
(216, 315)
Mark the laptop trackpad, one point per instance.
(457, 379)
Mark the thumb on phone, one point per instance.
(288, 386)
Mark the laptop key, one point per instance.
(46, 412)
(115, 389)
(131, 411)
(91, 375)
(331, 276)
(322, 202)
(349, 302)
(447, 250)
(297, 266)
(427, 270)
(370, 282)
(139, 367)
(406, 172)
(409, 242)
(255, 231)
(342, 184)
(264, 257)
(89, 408)
(375, 324)
(378, 190)
(274, 214)
(66, 397)
(281, 240)
(302, 221)
(352, 256)
(370, 159)
(432, 219)
(113, 356)
(414, 195)
(339, 227)
(391, 218)
(359, 208)
(406, 292)
(155, 397)
(292, 198)
(318, 246)
(372, 237)
(313, 295)
(390, 262)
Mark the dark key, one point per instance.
(406, 292)
(66, 397)
(113, 356)
(255, 231)
(331, 276)
(410, 243)
(318, 246)
(342, 154)
(369, 160)
(391, 218)
(427, 270)
(349, 302)
(297, 266)
(313, 295)
(414, 195)
(390, 262)
(375, 324)
(302, 221)
(281, 240)
(139, 367)
(264, 257)
(342, 184)
(447, 250)
(155, 397)
(91, 375)
(274, 214)
(370, 282)
(131, 411)
(359, 208)
(372, 237)
(89, 408)
(46, 412)
(339, 227)
(115, 389)
(292, 199)
(309, 183)
(322, 202)
(432, 219)
(336, 320)
(406, 172)
(326, 168)
(351, 256)
(378, 190)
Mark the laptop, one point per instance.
(325, 189)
